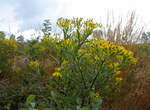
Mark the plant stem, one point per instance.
(96, 75)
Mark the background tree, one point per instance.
(47, 27)
(20, 38)
(146, 37)
(2, 35)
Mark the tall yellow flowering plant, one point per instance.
(89, 68)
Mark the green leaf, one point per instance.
(30, 98)
(53, 94)
(84, 108)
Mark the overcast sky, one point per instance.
(23, 15)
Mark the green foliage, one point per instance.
(30, 98)
(31, 104)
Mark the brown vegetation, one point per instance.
(133, 94)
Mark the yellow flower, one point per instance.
(58, 69)
(97, 58)
(119, 79)
(46, 39)
(65, 62)
(118, 72)
(57, 74)
(119, 57)
(34, 64)
(81, 50)
(95, 95)
(133, 60)
(114, 65)
(130, 53)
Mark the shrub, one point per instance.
(90, 69)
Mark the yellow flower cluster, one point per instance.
(46, 39)
(109, 47)
(62, 22)
(11, 43)
(34, 64)
(91, 24)
(77, 22)
(119, 79)
(115, 67)
(66, 43)
(128, 54)
(101, 44)
(57, 74)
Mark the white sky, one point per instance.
(23, 15)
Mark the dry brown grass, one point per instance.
(123, 32)
(138, 94)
